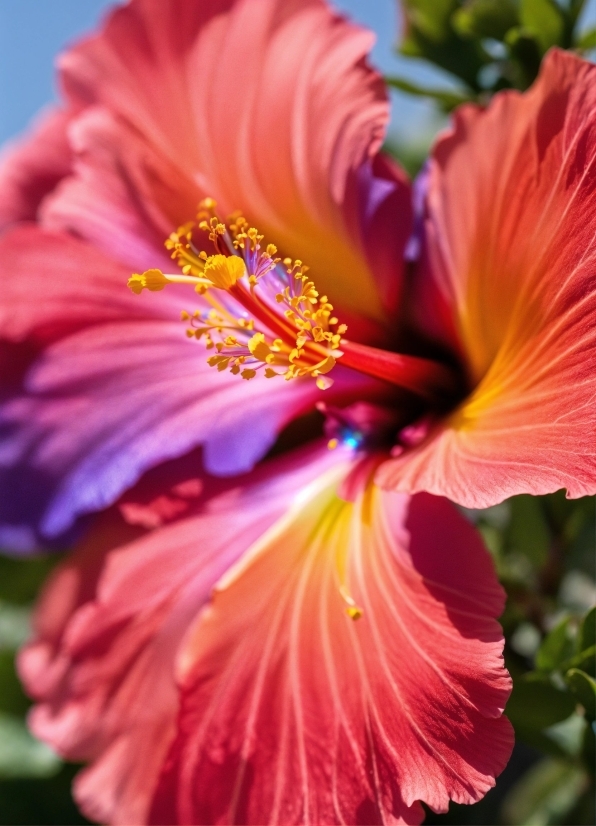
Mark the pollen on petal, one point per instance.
(324, 383)
(224, 271)
(354, 612)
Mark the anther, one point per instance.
(270, 317)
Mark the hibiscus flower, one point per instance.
(310, 636)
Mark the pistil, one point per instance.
(261, 313)
(425, 377)
(264, 315)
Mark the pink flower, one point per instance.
(304, 641)
(143, 153)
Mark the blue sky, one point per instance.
(33, 31)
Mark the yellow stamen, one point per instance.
(153, 280)
(261, 350)
(299, 338)
(223, 271)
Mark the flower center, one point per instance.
(261, 314)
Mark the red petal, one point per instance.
(269, 107)
(510, 281)
(31, 167)
(54, 283)
(107, 631)
(292, 712)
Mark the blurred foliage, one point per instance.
(544, 551)
(411, 154)
(40, 801)
(486, 45)
(34, 782)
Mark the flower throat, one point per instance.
(262, 315)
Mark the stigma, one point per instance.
(259, 315)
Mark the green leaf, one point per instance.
(12, 697)
(556, 647)
(575, 9)
(587, 632)
(528, 531)
(536, 704)
(447, 99)
(14, 625)
(40, 799)
(21, 579)
(545, 794)
(430, 17)
(568, 734)
(583, 688)
(429, 34)
(587, 40)
(584, 660)
(588, 753)
(493, 539)
(525, 56)
(485, 18)
(545, 20)
(568, 516)
(21, 755)
(411, 155)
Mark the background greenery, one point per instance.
(479, 47)
(543, 547)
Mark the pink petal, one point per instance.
(104, 403)
(110, 402)
(51, 284)
(509, 280)
(124, 197)
(292, 712)
(101, 665)
(31, 167)
(268, 107)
